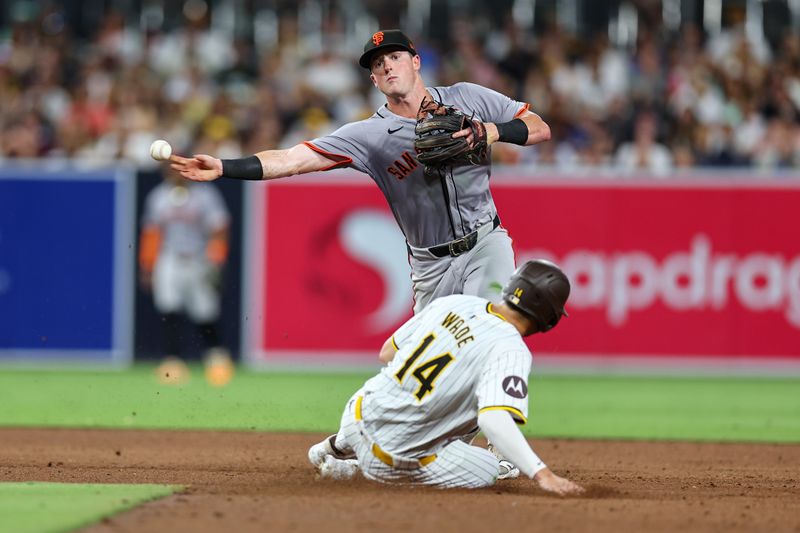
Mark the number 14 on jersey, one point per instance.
(427, 372)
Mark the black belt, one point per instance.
(462, 245)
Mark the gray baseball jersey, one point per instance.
(429, 211)
(187, 214)
(455, 359)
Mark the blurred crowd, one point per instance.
(671, 101)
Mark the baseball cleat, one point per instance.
(507, 470)
(219, 367)
(172, 371)
(338, 469)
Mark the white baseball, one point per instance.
(160, 150)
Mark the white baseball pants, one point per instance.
(457, 465)
(184, 284)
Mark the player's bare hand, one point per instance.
(468, 134)
(201, 167)
(559, 485)
(484, 129)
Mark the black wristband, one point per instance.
(246, 168)
(514, 132)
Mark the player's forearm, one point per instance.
(217, 247)
(524, 131)
(284, 163)
(149, 247)
(502, 432)
(538, 130)
(272, 164)
(264, 165)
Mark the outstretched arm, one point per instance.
(502, 432)
(299, 159)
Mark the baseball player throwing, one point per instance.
(455, 242)
(458, 365)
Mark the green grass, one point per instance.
(40, 507)
(134, 399)
(717, 409)
(724, 409)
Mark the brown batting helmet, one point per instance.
(539, 290)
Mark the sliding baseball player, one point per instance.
(458, 366)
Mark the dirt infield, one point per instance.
(262, 482)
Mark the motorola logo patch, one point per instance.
(515, 386)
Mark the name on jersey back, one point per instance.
(456, 325)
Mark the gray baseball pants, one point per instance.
(481, 271)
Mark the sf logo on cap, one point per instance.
(377, 38)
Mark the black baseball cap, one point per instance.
(382, 40)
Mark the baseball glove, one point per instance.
(436, 148)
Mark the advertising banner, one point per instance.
(66, 248)
(698, 269)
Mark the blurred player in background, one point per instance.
(182, 251)
(458, 366)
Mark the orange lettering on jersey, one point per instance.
(410, 161)
(403, 166)
(377, 38)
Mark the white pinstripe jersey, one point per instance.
(454, 359)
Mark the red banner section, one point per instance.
(337, 273)
(707, 268)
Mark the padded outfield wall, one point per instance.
(68, 244)
(66, 264)
(695, 272)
